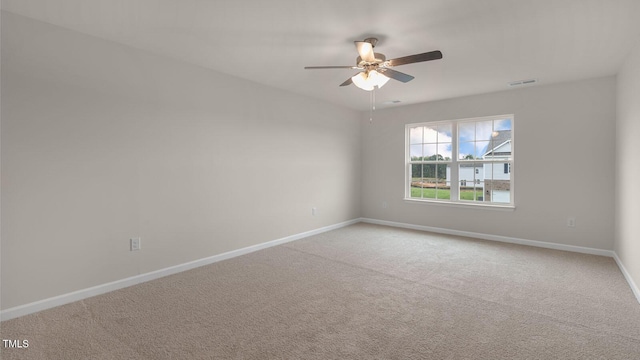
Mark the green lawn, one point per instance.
(442, 194)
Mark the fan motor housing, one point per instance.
(373, 41)
(380, 58)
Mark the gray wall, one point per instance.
(102, 142)
(627, 166)
(564, 136)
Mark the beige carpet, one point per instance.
(361, 292)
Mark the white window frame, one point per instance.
(455, 161)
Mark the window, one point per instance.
(463, 161)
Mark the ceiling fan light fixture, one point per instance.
(361, 80)
(378, 79)
(369, 80)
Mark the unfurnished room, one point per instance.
(293, 179)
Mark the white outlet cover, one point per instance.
(135, 243)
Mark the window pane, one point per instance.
(501, 196)
(443, 190)
(504, 124)
(430, 134)
(469, 172)
(416, 152)
(444, 133)
(488, 171)
(416, 180)
(444, 150)
(441, 172)
(423, 186)
(429, 172)
(430, 151)
(500, 145)
(467, 131)
(415, 135)
(484, 130)
(466, 189)
(471, 181)
(481, 148)
(470, 193)
(497, 183)
(483, 191)
(466, 150)
(416, 172)
(502, 171)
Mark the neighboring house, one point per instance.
(469, 174)
(497, 183)
(493, 179)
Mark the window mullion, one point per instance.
(454, 185)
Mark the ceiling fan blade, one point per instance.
(397, 75)
(365, 50)
(331, 67)
(432, 55)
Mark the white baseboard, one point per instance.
(632, 284)
(36, 306)
(505, 239)
(542, 244)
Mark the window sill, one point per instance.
(469, 205)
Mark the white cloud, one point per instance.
(443, 139)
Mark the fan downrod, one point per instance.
(372, 41)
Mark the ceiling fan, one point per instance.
(376, 69)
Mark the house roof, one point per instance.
(498, 139)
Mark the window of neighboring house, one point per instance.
(460, 161)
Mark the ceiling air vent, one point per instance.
(523, 82)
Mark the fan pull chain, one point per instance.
(373, 104)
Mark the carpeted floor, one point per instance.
(360, 292)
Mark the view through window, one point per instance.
(469, 161)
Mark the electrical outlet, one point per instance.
(384, 205)
(135, 243)
(314, 211)
(571, 222)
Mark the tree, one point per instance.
(429, 171)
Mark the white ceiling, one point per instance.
(486, 44)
